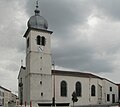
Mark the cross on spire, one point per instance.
(37, 11)
(37, 4)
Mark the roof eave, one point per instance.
(31, 28)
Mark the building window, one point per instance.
(27, 42)
(113, 98)
(78, 88)
(3, 101)
(110, 88)
(93, 90)
(38, 40)
(41, 40)
(63, 86)
(41, 82)
(42, 94)
(108, 97)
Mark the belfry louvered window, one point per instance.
(41, 40)
(63, 86)
(38, 40)
(78, 89)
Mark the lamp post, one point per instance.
(74, 97)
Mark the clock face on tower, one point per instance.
(41, 48)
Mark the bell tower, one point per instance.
(38, 60)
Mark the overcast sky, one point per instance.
(86, 36)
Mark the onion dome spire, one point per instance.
(37, 21)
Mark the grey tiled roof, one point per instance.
(74, 73)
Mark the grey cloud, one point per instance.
(12, 67)
(81, 57)
(62, 15)
(72, 49)
(109, 8)
(10, 27)
(11, 41)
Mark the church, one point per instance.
(40, 85)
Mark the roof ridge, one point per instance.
(74, 73)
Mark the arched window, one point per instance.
(93, 90)
(63, 86)
(78, 88)
(41, 40)
(38, 40)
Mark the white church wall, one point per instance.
(21, 76)
(93, 99)
(38, 67)
(27, 65)
(111, 92)
(100, 91)
(27, 90)
(39, 59)
(97, 99)
(85, 99)
(33, 39)
(40, 63)
(40, 89)
(28, 44)
(102, 88)
(71, 81)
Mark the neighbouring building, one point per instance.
(6, 96)
(13, 97)
(13, 100)
(39, 85)
(1, 96)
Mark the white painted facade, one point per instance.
(102, 89)
(38, 69)
(113, 92)
(37, 78)
(21, 85)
